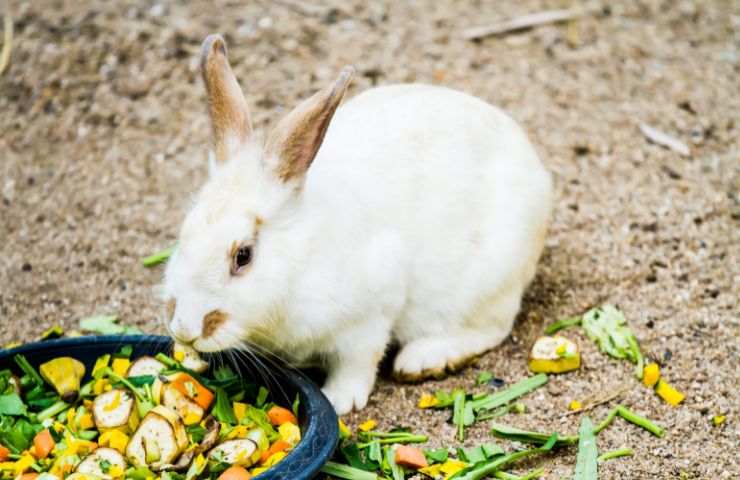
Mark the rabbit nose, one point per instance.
(211, 321)
(181, 332)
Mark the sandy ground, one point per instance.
(103, 138)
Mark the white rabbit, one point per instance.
(417, 216)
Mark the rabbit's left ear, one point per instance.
(296, 139)
(226, 103)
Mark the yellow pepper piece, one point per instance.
(668, 393)
(99, 386)
(101, 363)
(191, 418)
(114, 404)
(368, 425)
(290, 433)
(71, 413)
(258, 470)
(575, 405)
(719, 420)
(274, 458)
(344, 431)
(179, 355)
(86, 421)
(58, 427)
(451, 467)
(24, 463)
(651, 374)
(433, 471)
(120, 366)
(115, 471)
(114, 439)
(240, 409)
(427, 401)
(240, 431)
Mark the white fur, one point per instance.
(421, 219)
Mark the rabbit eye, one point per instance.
(242, 257)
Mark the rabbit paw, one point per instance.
(347, 394)
(430, 358)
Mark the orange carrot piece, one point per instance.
(280, 415)
(29, 476)
(235, 473)
(410, 457)
(276, 447)
(202, 396)
(43, 444)
(4, 453)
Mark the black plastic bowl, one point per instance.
(318, 421)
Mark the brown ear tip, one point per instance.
(345, 76)
(212, 44)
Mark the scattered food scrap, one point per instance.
(159, 257)
(554, 355)
(664, 140)
(107, 325)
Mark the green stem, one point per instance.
(408, 438)
(517, 390)
(346, 472)
(607, 421)
(622, 452)
(108, 372)
(53, 410)
(158, 257)
(640, 421)
(530, 476)
(170, 362)
(87, 434)
(561, 324)
(28, 369)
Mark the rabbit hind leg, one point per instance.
(436, 356)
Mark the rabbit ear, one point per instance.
(229, 113)
(296, 139)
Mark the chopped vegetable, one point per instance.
(622, 452)
(192, 389)
(43, 443)
(189, 358)
(427, 401)
(279, 415)
(639, 421)
(410, 457)
(561, 324)
(668, 393)
(346, 472)
(519, 435)
(575, 405)
(717, 420)
(483, 469)
(586, 461)
(608, 328)
(65, 375)
(368, 425)
(235, 473)
(500, 398)
(159, 257)
(651, 374)
(107, 325)
(554, 355)
(483, 378)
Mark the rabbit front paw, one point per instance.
(346, 393)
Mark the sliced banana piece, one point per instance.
(189, 358)
(190, 412)
(240, 452)
(159, 440)
(115, 409)
(554, 355)
(145, 366)
(99, 462)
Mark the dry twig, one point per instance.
(664, 140)
(521, 23)
(597, 400)
(7, 42)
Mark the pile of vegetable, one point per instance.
(148, 418)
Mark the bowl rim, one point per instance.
(321, 429)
